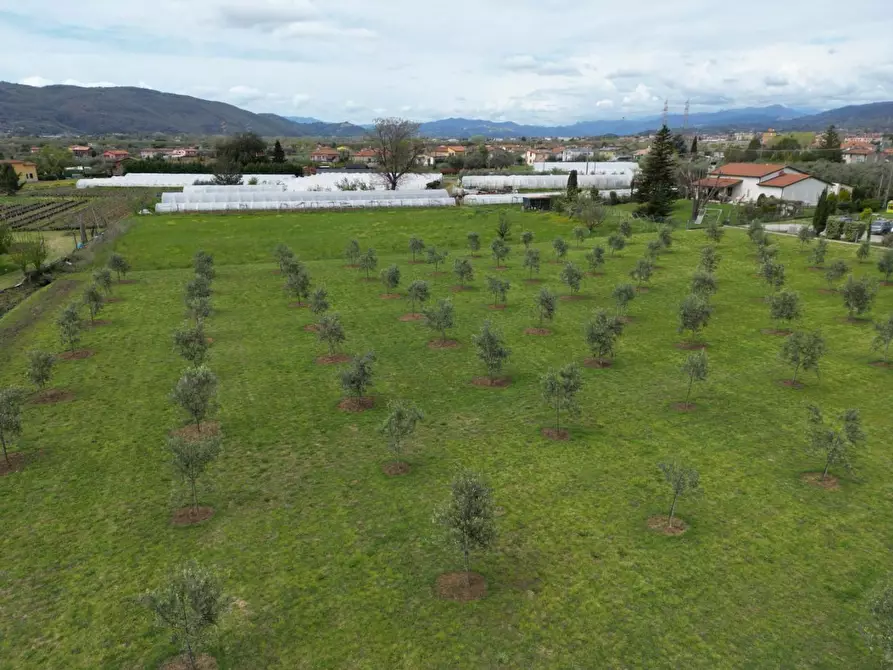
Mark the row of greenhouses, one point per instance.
(303, 204)
(590, 167)
(236, 194)
(488, 182)
(334, 182)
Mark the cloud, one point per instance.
(267, 15)
(321, 29)
(527, 63)
(42, 81)
(35, 81)
(775, 80)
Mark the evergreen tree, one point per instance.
(830, 145)
(657, 181)
(9, 180)
(278, 153)
(572, 189)
(821, 213)
(752, 151)
(694, 146)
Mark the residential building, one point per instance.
(572, 154)
(115, 154)
(746, 182)
(426, 160)
(80, 151)
(152, 152)
(182, 152)
(639, 154)
(365, 156)
(35, 150)
(859, 154)
(324, 155)
(26, 170)
(532, 156)
(767, 137)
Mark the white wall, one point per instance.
(806, 191)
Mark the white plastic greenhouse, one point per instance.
(545, 181)
(227, 194)
(592, 167)
(303, 204)
(327, 181)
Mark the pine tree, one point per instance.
(830, 145)
(657, 180)
(278, 153)
(9, 180)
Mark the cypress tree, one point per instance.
(278, 153)
(572, 185)
(9, 180)
(822, 211)
(831, 145)
(657, 179)
(753, 147)
(694, 146)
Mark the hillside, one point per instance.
(873, 116)
(29, 110)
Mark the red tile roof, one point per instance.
(859, 151)
(746, 169)
(717, 182)
(785, 180)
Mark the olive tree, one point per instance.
(319, 301)
(601, 334)
(198, 287)
(864, 251)
(682, 481)
(703, 284)
(499, 288)
(463, 270)
(70, 326)
(527, 239)
(665, 236)
(695, 368)
(755, 231)
(709, 259)
(440, 317)
(694, 314)
(10, 419)
(468, 517)
(416, 246)
(418, 293)
(504, 228)
(805, 235)
(834, 442)
(653, 249)
(625, 228)
(435, 256)
(532, 261)
(571, 276)
(819, 252)
(773, 274)
(283, 254)
(368, 262)
(352, 252)
(204, 264)
(474, 242)
(802, 350)
(596, 258)
(40, 368)
(835, 272)
(297, 282)
(400, 424)
(191, 457)
(491, 349)
(102, 277)
(560, 247)
(357, 378)
(623, 294)
(189, 605)
(560, 389)
(616, 242)
(390, 278)
(192, 344)
(885, 264)
(884, 336)
(579, 234)
(546, 303)
(330, 332)
(119, 265)
(198, 308)
(784, 306)
(94, 301)
(714, 231)
(642, 271)
(196, 393)
(879, 632)
(858, 295)
(499, 249)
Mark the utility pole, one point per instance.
(666, 110)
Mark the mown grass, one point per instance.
(336, 562)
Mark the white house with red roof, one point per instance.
(746, 182)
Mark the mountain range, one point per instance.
(74, 110)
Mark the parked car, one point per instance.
(881, 226)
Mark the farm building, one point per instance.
(26, 171)
(746, 182)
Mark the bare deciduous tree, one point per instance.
(397, 148)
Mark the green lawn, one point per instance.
(336, 562)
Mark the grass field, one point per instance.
(335, 562)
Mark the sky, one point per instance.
(529, 61)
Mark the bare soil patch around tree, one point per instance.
(461, 586)
(780, 332)
(643, 289)
(684, 406)
(390, 296)
(660, 524)
(443, 344)
(76, 355)
(209, 340)
(16, 463)
(355, 404)
(412, 317)
(415, 262)
(828, 291)
(881, 364)
(461, 289)
(97, 323)
(501, 268)
(598, 363)
(334, 359)
(128, 281)
(791, 384)
(51, 397)
(538, 332)
(556, 435)
(595, 274)
(298, 305)
(854, 320)
(188, 516)
(626, 319)
(573, 297)
(438, 274)
(497, 308)
(691, 346)
(192, 432)
(830, 482)
(396, 468)
(534, 280)
(202, 662)
(311, 328)
(496, 382)
(111, 300)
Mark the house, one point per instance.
(639, 154)
(767, 137)
(80, 151)
(572, 154)
(26, 171)
(859, 154)
(182, 152)
(115, 154)
(425, 160)
(747, 182)
(35, 150)
(152, 152)
(324, 155)
(532, 156)
(365, 156)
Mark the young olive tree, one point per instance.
(468, 517)
(368, 262)
(560, 247)
(756, 232)
(416, 246)
(709, 260)
(390, 278)
(835, 272)
(694, 314)
(601, 334)
(10, 419)
(40, 368)
(884, 336)
(616, 242)
(400, 424)
(499, 288)
(191, 458)
(102, 277)
(560, 389)
(189, 605)
(204, 265)
(805, 235)
(571, 276)
(440, 317)
(834, 442)
(623, 294)
(352, 252)
(198, 309)
(864, 251)
(527, 239)
(579, 234)
(703, 284)
(418, 293)
(803, 350)
(198, 287)
(70, 326)
(546, 304)
(504, 228)
(356, 379)
(330, 332)
(491, 349)
(283, 255)
(784, 306)
(297, 282)
(625, 228)
(665, 236)
(879, 633)
(474, 242)
(682, 481)
(196, 393)
(595, 258)
(463, 270)
(500, 250)
(319, 301)
(885, 264)
(695, 368)
(653, 249)
(435, 256)
(532, 261)
(714, 231)
(819, 252)
(643, 271)
(94, 301)
(192, 344)
(119, 265)
(858, 295)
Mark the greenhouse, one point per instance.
(546, 181)
(236, 194)
(591, 167)
(334, 202)
(335, 182)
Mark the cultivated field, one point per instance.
(334, 563)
